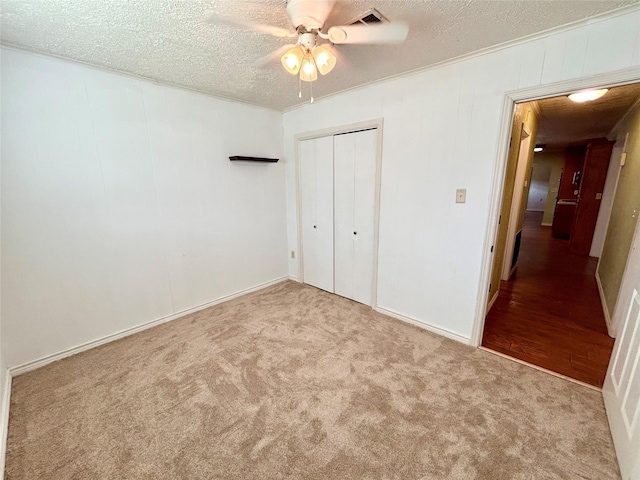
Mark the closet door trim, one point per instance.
(354, 127)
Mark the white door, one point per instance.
(354, 212)
(621, 389)
(316, 182)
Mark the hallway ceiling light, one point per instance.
(587, 95)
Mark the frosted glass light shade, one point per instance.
(292, 60)
(587, 95)
(308, 71)
(325, 60)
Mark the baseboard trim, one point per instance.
(294, 278)
(426, 326)
(4, 420)
(41, 362)
(492, 301)
(605, 309)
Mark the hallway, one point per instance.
(549, 314)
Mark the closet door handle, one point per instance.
(314, 226)
(355, 233)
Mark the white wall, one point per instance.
(4, 402)
(5, 386)
(441, 130)
(120, 205)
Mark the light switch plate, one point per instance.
(461, 195)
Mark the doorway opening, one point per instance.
(563, 235)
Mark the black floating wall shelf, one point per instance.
(253, 159)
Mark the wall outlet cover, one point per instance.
(461, 195)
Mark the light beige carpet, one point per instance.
(292, 382)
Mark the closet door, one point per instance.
(316, 182)
(354, 207)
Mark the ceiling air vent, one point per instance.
(369, 17)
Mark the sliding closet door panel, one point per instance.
(364, 214)
(316, 184)
(354, 196)
(325, 225)
(344, 151)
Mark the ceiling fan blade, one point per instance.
(268, 29)
(310, 13)
(273, 56)
(383, 33)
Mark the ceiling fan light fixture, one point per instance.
(325, 60)
(308, 71)
(587, 95)
(292, 60)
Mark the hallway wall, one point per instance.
(539, 189)
(557, 164)
(624, 213)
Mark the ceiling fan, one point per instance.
(307, 56)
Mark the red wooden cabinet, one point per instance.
(563, 219)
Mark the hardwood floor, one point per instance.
(549, 313)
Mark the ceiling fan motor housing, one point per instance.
(307, 40)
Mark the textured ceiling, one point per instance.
(172, 42)
(565, 122)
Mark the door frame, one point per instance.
(514, 212)
(607, 80)
(377, 124)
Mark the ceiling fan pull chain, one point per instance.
(299, 87)
(311, 90)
